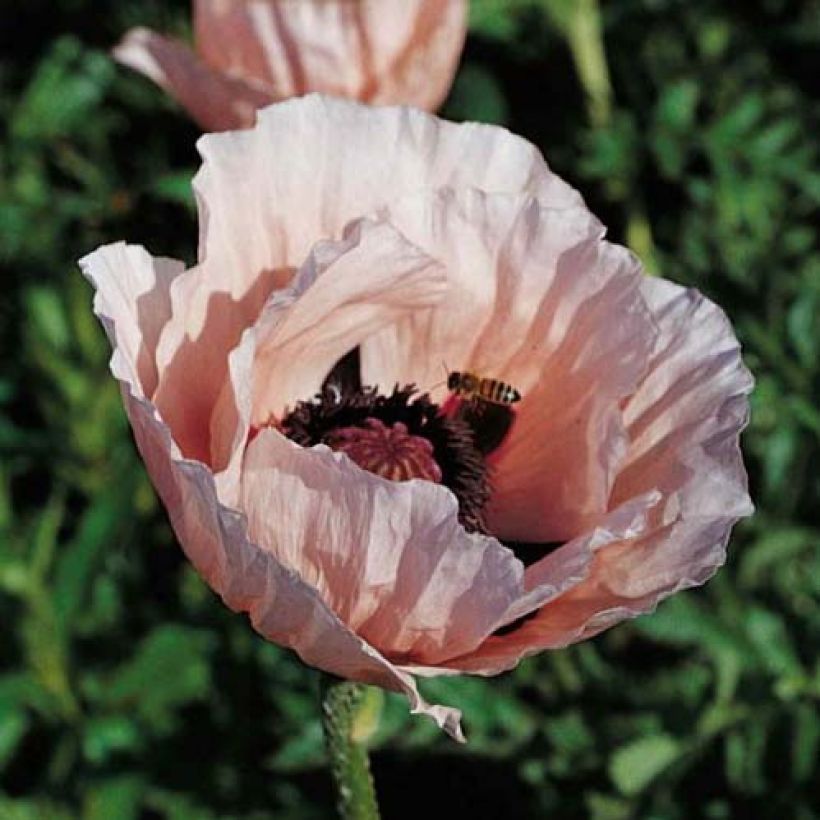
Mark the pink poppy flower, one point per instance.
(250, 53)
(377, 532)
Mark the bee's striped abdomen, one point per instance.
(493, 391)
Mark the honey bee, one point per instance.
(470, 386)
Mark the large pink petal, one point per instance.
(216, 101)
(312, 165)
(382, 51)
(557, 577)
(684, 422)
(390, 558)
(555, 471)
(345, 292)
(626, 578)
(281, 606)
(267, 195)
(539, 300)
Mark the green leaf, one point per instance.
(745, 756)
(677, 106)
(803, 323)
(175, 806)
(737, 123)
(47, 315)
(302, 749)
(607, 807)
(170, 669)
(105, 736)
(774, 548)
(118, 798)
(176, 187)
(13, 727)
(33, 809)
(767, 632)
(80, 558)
(635, 766)
(477, 96)
(68, 84)
(806, 748)
(497, 19)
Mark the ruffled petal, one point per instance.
(312, 165)
(345, 292)
(500, 252)
(554, 578)
(378, 51)
(216, 101)
(397, 567)
(281, 606)
(137, 296)
(267, 195)
(685, 418)
(684, 423)
(537, 299)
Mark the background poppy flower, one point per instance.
(249, 53)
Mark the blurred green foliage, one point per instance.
(128, 691)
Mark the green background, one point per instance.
(128, 691)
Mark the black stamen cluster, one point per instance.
(461, 462)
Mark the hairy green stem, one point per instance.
(349, 715)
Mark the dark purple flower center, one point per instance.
(399, 436)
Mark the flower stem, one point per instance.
(349, 715)
(585, 33)
(583, 27)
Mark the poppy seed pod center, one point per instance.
(400, 436)
(389, 451)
